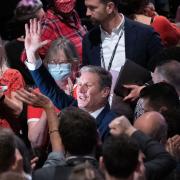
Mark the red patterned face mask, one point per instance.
(64, 6)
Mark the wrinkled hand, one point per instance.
(173, 146)
(135, 91)
(33, 98)
(121, 125)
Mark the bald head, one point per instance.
(153, 124)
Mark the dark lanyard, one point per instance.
(113, 53)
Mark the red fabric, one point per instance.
(169, 32)
(14, 80)
(64, 6)
(35, 112)
(53, 27)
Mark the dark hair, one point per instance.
(172, 117)
(132, 7)
(161, 94)
(166, 54)
(78, 131)
(116, 2)
(7, 149)
(120, 156)
(24, 153)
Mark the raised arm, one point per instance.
(158, 162)
(40, 74)
(39, 100)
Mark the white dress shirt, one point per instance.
(109, 42)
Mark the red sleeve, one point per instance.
(169, 32)
(34, 112)
(13, 79)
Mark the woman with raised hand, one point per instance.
(61, 61)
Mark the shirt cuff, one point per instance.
(35, 65)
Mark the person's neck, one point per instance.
(112, 22)
(109, 177)
(97, 107)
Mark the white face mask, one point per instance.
(60, 71)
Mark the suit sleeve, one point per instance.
(159, 162)
(154, 45)
(84, 51)
(48, 87)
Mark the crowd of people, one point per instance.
(89, 90)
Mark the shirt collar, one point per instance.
(117, 29)
(96, 113)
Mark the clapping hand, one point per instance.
(33, 98)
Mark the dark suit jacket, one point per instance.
(62, 172)
(48, 87)
(141, 43)
(158, 162)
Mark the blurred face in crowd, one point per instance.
(60, 68)
(97, 11)
(156, 76)
(90, 95)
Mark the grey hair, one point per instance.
(64, 44)
(170, 72)
(105, 77)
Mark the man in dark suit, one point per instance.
(93, 91)
(141, 42)
(93, 87)
(116, 39)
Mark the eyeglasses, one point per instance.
(58, 61)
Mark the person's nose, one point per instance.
(88, 12)
(82, 88)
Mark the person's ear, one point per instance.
(163, 109)
(106, 92)
(110, 7)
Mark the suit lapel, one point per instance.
(95, 39)
(130, 39)
(103, 113)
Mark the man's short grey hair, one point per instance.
(170, 72)
(105, 77)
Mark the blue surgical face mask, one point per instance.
(59, 71)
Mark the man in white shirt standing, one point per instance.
(117, 38)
